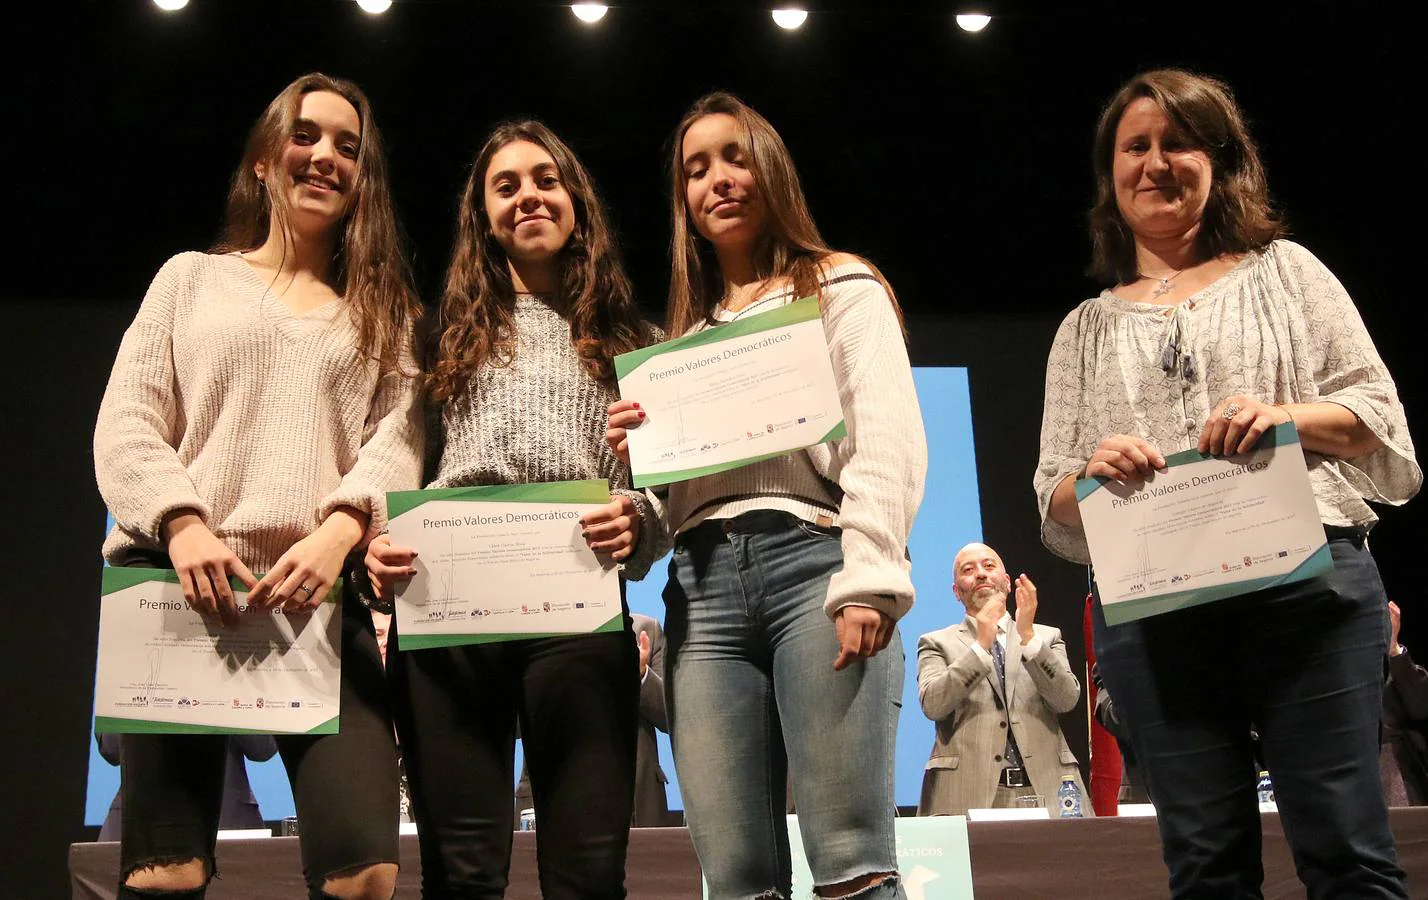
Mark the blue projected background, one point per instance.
(949, 517)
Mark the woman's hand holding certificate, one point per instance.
(165, 666)
(724, 397)
(1202, 528)
(504, 562)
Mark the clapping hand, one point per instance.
(987, 618)
(1025, 608)
(643, 640)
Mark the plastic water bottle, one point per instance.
(1264, 787)
(1069, 797)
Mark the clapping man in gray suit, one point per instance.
(994, 685)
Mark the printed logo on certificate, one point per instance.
(731, 395)
(501, 563)
(164, 669)
(1205, 529)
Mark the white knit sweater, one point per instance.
(223, 402)
(879, 468)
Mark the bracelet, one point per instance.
(1287, 413)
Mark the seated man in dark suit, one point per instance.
(651, 804)
(1404, 759)
(1133, 788)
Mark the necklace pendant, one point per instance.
(1163, 289)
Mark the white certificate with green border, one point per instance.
(731, 395)
(501, 563)
(163, 668)
(1205, 529)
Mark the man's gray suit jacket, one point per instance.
(959, 690)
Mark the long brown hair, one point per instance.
(369, 268)
(790, 248)
(479, 304)
(1239, 216)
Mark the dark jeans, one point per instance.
(1303, 664)
(344, 785)
(577, 702)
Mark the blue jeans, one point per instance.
(1303, 664)
(753, 699)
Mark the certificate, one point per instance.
(501, 563)
(1205, 529)
(163, 668)
(728, 396)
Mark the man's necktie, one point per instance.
(999, 657)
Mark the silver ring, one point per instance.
(1231, 411)
(305, 588)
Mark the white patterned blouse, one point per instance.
(1279, 326)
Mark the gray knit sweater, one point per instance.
(538, 418)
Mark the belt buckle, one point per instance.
(1014, 776)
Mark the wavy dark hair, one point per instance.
(1239, 216)
(791, 246)
(478, 305)
(369, 267)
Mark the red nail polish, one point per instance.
(637, 406)
(642, 414)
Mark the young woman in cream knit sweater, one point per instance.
(260, 406)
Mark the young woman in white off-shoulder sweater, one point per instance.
(260, 407)
(789, 575)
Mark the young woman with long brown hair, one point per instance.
(788, 575)
(535, 308)
(261, 405)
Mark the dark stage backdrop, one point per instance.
(958, 163)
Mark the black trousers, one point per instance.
(344, 785)
(577, 702)
(1303, 664)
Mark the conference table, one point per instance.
(1070, 858)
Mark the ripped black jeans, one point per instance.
(344, 785)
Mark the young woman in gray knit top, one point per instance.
(789, 575)
(261, 405)
(535, 308)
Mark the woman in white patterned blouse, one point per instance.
(1215, 330)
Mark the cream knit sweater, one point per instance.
(223, 402)
(879, 468)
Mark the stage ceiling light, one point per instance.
(375, 7)
(589, 13)
(171, 5)
(790, 17)
(973, 22)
